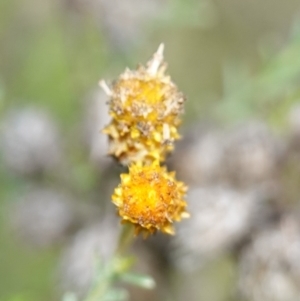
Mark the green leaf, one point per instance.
(143, 281)
(122, 264)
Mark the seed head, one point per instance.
(145, 106)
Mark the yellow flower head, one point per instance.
(150, 198)
(145, 106)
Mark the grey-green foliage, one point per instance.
(272, 87)
(108, 276)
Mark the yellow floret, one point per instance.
(150, 198)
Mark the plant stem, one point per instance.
(98, 292)
(125, 238)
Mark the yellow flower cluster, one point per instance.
(145, 106)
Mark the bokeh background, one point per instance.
(238, 64)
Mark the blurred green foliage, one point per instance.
(49, 62)
(270, 93)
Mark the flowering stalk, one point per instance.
(145, 107)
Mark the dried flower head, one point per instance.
(222, 218)
(269, 267)
(77, 266)
(30, 142)
(150, 198)
(145, 106)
